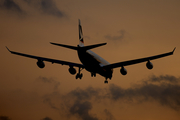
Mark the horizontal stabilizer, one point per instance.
(78, 48)
(67, 46)
(94, 46)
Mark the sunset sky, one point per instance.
(132, 29)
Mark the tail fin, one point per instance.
(81, 41)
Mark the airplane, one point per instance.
(92, 62)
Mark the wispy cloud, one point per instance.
(47, 118)
(4, 118)
(119, 37)
(163, 89)
(44, 7)
(47, 7)
(81, 109)
(52, 81)
(48, 98)
(166, 92)
(10, 5)
(109, 115)
(78, 103)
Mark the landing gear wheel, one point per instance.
(106, 82)
(79, 76)
(93, 74)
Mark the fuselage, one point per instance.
(94, 63)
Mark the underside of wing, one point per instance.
(136, 61)
(40, 59)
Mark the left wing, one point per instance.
(135, 61)
(48, 59)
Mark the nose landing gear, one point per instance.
(106, 81)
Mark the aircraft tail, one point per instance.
(81, 40)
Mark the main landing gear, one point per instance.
(93, 74)
(79, 75)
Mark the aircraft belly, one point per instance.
(89, 62)
(93, 66)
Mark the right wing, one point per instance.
(135, 61)
(48, 59)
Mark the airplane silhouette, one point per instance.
(91, 61)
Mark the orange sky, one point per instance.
(132, 29)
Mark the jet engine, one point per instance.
(123, 71)
(40, 64)
(72, 70)
(149, 65)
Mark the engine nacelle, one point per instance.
(72, 70)
(40, 64)
(149, 65)
(123, 71)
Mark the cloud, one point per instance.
(163, 78)
(48, 98)
(10, 5)
(50, 103)
(47, 7)
(163, 89)
(109, 115)
(86, 94)
(82, 110)
(4, 118)
(49, 81)
(166, 92)
(46, 118)
(118, 37)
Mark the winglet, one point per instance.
(8, 49)
(173, 50)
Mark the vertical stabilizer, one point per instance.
(81, 40)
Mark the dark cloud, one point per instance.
(163, 89)
(82, 104)
(164, 78)
(11, 6)
(46, 7)
(86, 94)
(50, 81)
(166, 92)
(49, 7)
(109, 115)
(48, 99)
(4, 118)
(118, 37)
(81, 109)
(46, 118)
